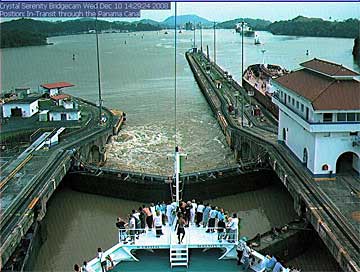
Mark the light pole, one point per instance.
(214, 43)
(201, 43)
(194, 34)
(242, 70)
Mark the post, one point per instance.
(242, 50)
(194, 34)
(201, 43)
(214, 43)
(98, 68)
(242, 71)
(207, 52)
(177, 173)
(242, 111)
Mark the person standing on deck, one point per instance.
(121, 224)
(239, 249)
(188, 208)
(212, 218)
(206, 215)
(158, 224)
(86, 268)
(163, 212)
(169, 211)
(132, 226)
(101, 257)
(246, 258)
(142, 217)
(193, 211)
(152, 209)
(136, 214)
(220, 229)
(199, 213)
(180, 228)
(149, 217)
(233, 228)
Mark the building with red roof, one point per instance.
(319, 116)
(55, 88)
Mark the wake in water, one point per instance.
(149, 148)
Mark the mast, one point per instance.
(98, 68)
(242, 70)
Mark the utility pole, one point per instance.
(214, 43)
(194, 34)
(242, 71)
(98, 68)
(201, 42)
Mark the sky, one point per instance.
(216, 11)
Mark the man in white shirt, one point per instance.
(193, 212)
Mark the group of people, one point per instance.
(154, 216)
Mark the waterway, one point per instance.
(137, 77)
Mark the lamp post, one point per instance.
(201, 42)
(214, 43)
(242, 70)
(194, 34)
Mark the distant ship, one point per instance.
(248, 31)
(257, 40)
(257, 79)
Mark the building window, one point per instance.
(297, 104)
(341, 117)
(354, 133)
(289, 99)
(327, 117)
(350, 117)
(358, 117)
(293, 102)
(302, 107)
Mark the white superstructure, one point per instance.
(319, 117)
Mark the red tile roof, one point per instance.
(60, 96)
(328, 68)
(57, 85)
(323, 92)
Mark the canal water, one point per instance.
(138, 78)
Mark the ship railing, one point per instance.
(207, 235)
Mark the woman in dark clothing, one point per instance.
(142, 217)
(180, 227)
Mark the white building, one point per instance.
(25, 107)
(55, 88)
(63, 114)
(319, 117)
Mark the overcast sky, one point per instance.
(271, 11)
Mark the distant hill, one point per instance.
(181, 20)
(316, 27)
(23, 32)
(256, 24)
